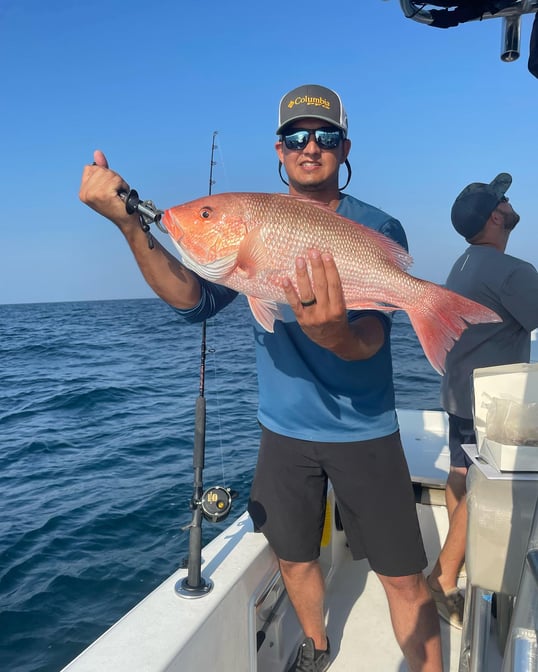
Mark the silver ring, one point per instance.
(306, 304)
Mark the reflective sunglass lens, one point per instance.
(326, 139)
(297, 140)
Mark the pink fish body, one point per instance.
(249, 242)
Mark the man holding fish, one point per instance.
(326, 397)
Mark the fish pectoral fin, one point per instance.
(265, 312)
(252, 255)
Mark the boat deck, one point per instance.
(245, 623)
(360, 628)
(358, 619)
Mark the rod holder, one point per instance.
(511, 38)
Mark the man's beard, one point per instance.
(510, 220)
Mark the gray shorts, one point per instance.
(460, 431)
(373, 491)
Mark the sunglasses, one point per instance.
(326, 138)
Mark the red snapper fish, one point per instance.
(249, 242)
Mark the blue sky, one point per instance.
(148, 82)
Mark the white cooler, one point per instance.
(506, 416)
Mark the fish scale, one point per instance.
(250, 241)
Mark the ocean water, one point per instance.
(96, 431)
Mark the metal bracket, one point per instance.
(147, 212)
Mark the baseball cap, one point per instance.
(312, 101)
(474, 205)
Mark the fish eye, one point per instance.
(205, 213)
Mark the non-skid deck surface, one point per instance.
(358, 617)
(359, 623)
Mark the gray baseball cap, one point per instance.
(314, 102)
(474, 205)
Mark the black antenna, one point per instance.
(215, 503)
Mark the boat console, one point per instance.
(502, 533)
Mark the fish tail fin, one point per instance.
(441, 318)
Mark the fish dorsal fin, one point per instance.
(305, 199)
(252, 254)
(265, 312)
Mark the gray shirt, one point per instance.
(507, 285)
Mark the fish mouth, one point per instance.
(173, 226)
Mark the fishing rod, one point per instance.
(215, 503)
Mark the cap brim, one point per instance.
(329, 122)
(501, 184)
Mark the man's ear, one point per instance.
(278, 148)
(346, 148)
(497, 217)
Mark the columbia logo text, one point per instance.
(307, 100)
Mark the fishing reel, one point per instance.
(216, 503)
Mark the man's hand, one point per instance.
(99, 189)
(320, 309)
